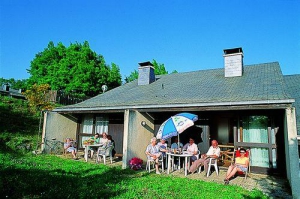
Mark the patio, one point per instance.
(272, 186)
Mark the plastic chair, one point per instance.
(65, 151)
(212, 162)
(198, 157)
(237, 154)
(151, 161)
(106, 152)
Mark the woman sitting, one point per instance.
(241, 164)
(68, 146)
(108, 143)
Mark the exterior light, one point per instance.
(143, 123)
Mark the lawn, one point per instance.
(47, 176)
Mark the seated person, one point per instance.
(96, 140)
(191, 147)
(241, 164)
(109, 137)
(68, 146)
(163, 148)
(174, 145)
(213, 152)
(152, 152)
(108, 142)
(104, 138)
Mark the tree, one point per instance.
(15, 84)
(74, 69)
(159, 69)
(37, 97)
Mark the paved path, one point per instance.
(272, 186)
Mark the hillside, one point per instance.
(18, 126)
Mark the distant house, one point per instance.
(251, 106)
(5, 90)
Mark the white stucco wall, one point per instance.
(136, 136)
(291, 148)
(58, 127)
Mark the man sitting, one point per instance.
(213, 152)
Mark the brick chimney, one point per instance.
(233, 62)
(146, 73)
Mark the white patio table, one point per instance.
(86, 147)
(186, 156)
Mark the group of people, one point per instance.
(106, 141)
(155, 151)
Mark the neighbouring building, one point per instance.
(251, 106)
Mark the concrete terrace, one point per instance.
(272, 186)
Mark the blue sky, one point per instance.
(183, 35)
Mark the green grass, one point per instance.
(46, 176)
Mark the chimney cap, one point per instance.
(147, 63)
(233, 51)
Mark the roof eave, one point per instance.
(118, 108)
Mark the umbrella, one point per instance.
(176, 125)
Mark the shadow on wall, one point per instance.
(192, 132)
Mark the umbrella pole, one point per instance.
(178, 145)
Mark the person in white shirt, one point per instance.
(153, 152)
(213, 152)
(104, 139)
(192, 148)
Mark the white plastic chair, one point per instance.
(210, 164)
(107, 152)
(151, 161)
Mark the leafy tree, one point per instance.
(15, 84)
(37, 97)
(74, 69)
(159, 69)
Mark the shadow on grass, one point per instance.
(59, 183)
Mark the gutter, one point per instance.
(287, 101)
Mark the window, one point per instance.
(101, 125)
(255, 133)
(91, 125)
(87, 124)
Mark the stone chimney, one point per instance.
(233, 61)
(146, 73)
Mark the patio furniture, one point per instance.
(186, 162)
(104, 152)
(212, 162)
(237, 154)
(86, 149)
(151, 161)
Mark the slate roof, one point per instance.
(12, 92)
(293, 87)
(260, 83)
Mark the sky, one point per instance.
(185, 35)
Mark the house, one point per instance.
(5, 90)
(251, 106)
